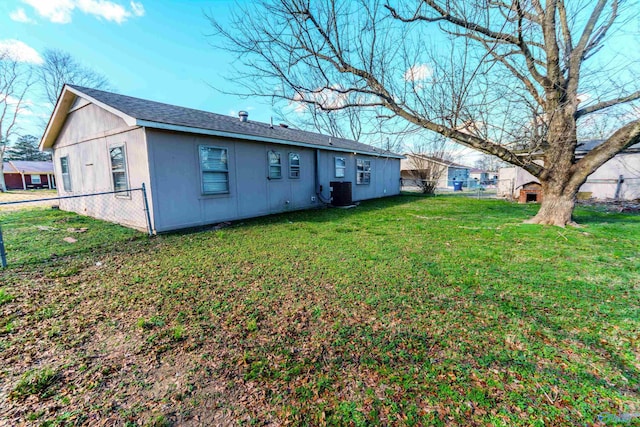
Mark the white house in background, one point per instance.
(619, 178)
(449, 172)
(199, 167)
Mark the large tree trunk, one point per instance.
(558, 190)
(556, 207)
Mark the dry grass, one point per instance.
(405, 311)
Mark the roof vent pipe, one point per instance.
(244, 116)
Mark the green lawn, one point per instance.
(404, 311)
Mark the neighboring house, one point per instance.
(198, 167)
(482, 176)
(619, 178)
(420, 166)
(25, 175)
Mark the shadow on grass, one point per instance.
(544, 323)
(594, 215)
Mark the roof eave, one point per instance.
(212, 132)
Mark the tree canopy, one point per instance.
(26, 148)
(513, 79)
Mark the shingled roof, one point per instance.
(158, 115)
(587, 145)
(29, 167)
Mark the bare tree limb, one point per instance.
(606, 104)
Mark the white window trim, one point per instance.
(124, 194)
(202, 171)
(343, 168)
(39, 179)
(297, 167)
(270, 165)
(366, 172)
(62, 174)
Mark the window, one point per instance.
(275, 165)
(118, 168)
(363, 171)
(341, 165)
(214, 166)
(35, 179)
(64, 171)
(294, 165)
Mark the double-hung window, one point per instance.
(341, 166)
(294, 165)
(35, 179)
(119, 168)
(363, 171)
(275, 165)
(64, 171)
(214, 166)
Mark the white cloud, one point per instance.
(418, 72)
(137, 8)
(19, 15)
(583, 97)
(332, 98)
(19, 51)
(61, 11)
(56, 11)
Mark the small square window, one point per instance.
(294, 165)
(35, 179)
(341, 166)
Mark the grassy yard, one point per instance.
(404, 311)
(26, 195)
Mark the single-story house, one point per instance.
(417, 166)
(25, 175)
(484, 177)
(619, 178)
(198, 167)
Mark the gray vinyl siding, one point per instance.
(177, 197)
(88, 134)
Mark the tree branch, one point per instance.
(606, 104)
(530, 60)
(623, 138)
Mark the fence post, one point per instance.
(146, 209)
(3, 254)
(618, 187)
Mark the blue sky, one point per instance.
(153, 49)
(156, 49)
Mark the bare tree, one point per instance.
(488, 163)
(60, 67)
(427, 163)
(15, 81)
(509, 85)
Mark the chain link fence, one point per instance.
(34, 227)
(469, 188)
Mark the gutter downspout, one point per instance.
(317, 179)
